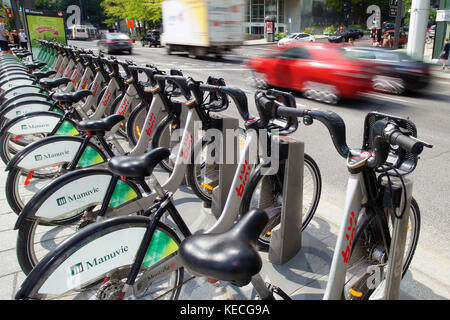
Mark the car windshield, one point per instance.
(118, 36)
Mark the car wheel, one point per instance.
(322, 92)
(389, 84)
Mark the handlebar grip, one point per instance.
(406, 142)
(266, 109)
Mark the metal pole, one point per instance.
(398, 21)
(82, 12)
(420, 10)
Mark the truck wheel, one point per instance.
(169, 49)
(192, 53)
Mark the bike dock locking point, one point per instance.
(286, 238)
(226, 170)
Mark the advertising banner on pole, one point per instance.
(43, 25)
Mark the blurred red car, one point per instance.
(319, 70)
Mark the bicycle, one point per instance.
(365, 244)
(112, 196)
(69, 153)
(147, 255)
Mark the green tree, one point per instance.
(139, 10)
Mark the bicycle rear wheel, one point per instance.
(94, 264)
(367, 262)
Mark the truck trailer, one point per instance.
(202, 27)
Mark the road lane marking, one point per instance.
(387, 97)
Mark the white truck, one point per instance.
(202, 27)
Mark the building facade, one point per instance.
(291, 15)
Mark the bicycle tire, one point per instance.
(309, 205)
(192, 179)
(28, 254)
(135, 123)
(162, 138)
(115, 105)
(196, 178)
(365, 242)
(43, 271)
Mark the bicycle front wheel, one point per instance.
(266, 192)
(95, 263)
(367, 263)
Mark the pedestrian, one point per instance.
(15, 38)
(23, 39)
(444, 54)
(351, 41)
(4, 36)
(385, 40)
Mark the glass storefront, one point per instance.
(257, 10)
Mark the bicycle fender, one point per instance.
(8, 94)
(55, 150)
(21, 108)
(39, 122)
(81, 266)
(71, 192)
(25, 97)
(12, 83)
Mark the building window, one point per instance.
(257, 30)
(257, 11)
(271, 8)
(247, 12)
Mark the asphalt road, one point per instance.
(429, 110)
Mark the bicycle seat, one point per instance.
(230, 256)
(22, 55)
(35, 65)
(72, 97)
(48, 83)
(138, 166)
(39, 74)
(99, 126)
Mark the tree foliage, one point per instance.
(141, 10)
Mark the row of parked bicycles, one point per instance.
(82, 134)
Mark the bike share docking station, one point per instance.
(230, 181)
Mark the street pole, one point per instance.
(398, 21)
(420, 11)
(82, 12)
(15, 4)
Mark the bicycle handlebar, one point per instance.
(237, 95)
(385, 133)
(334, 123)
